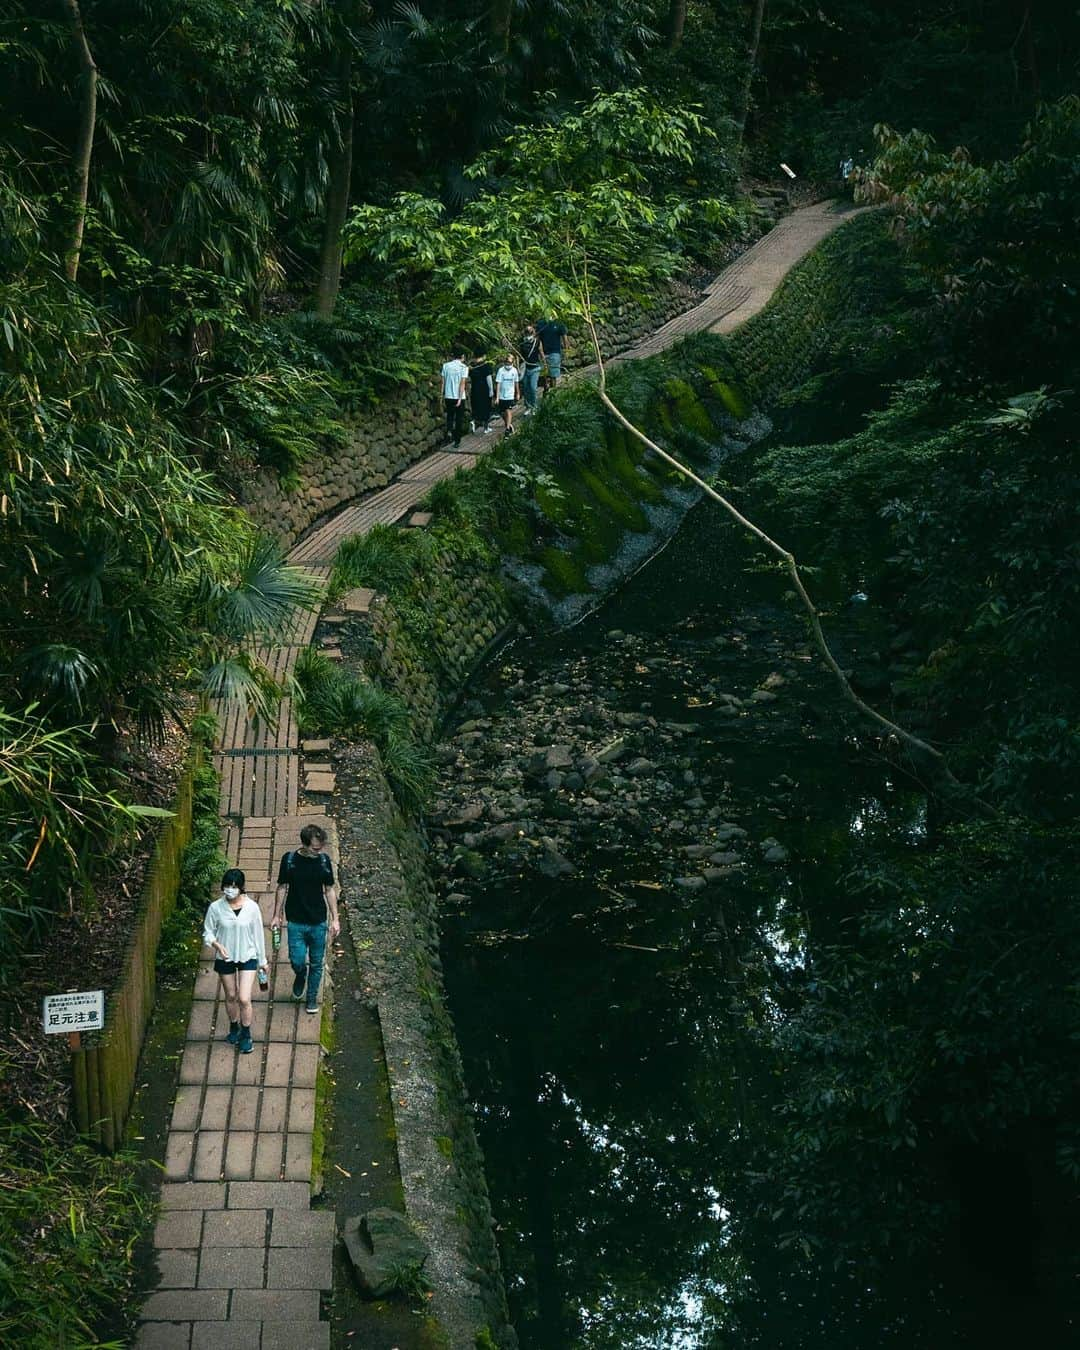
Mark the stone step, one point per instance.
(357, 601)
(315, 747)
(319, 782)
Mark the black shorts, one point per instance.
(231, 967)
(506, 403)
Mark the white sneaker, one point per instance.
(472, 427)
(486, 431)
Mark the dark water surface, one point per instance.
(610, 1018)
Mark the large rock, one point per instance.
(385, 1251)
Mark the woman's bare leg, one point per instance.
(245, 981)
(232, 1000)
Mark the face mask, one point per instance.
(231, 892)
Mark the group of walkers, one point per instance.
(306, 898)
(482, 389)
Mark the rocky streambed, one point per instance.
(626, 756)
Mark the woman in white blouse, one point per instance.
(234, 929)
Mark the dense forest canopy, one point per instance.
(220, 219)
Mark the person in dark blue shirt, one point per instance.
(551, 334)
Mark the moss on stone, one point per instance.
(636, 483)
(615, 501)
(563, 572)
(725, 391)
(686, 409)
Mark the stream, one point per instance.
(640, 830)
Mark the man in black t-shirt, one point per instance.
(532, 359)
(551, 334)
(306, 895)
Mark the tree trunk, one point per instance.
(501, 14)
(1030, 59)
(751, 64)
(85, 146)
(675, 24)
(337, 206)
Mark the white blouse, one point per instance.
(240, 931)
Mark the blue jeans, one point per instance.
(307, 947)
(530, 382)
(554, 364)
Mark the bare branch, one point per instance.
(914, 743)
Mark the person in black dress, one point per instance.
(481, 390)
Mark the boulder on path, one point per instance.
(385, 1252)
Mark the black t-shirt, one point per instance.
(531, 352)
(305, 878)
(551, 335)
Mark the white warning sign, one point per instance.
(64, 1013)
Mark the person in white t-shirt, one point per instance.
(507, 391)
(455, 385)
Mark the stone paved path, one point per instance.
(243, 1259)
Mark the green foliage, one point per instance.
(69, 1223)
(933, 1033)
(594, 199)
(993, 242)
(385, 558)
(201, 870)
(332, 703)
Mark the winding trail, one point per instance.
(243, 1259)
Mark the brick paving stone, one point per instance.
(269, 1195)
(179, 1228)
(185, 1114)
(276, 1305)
(283, 1022)
(193, 1063)
(163, 1336)
(222, 1063)
(207, 983)
(209, 1153)
(302, 1228)
(274, 1108)
(306, 1063)
(314, 747)
(283, 977)
(235, 1228)
(278, 1063)
(302, 1109)
(249, 1068)
(232, 1268)
(231, 1335)
(298, 1157)
(184, 1305)
(269, 1156)
(293, 1335)
(244, 1108)
(176, 1268)
(300, 1268)
(201, 1022)
(215, 1112)
(193, 1195)
(239, 1153)
(178, 1153)
(308, 1029)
